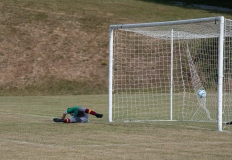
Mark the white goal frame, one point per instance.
(221, 35)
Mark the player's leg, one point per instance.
(89, 111)
(83, 119)
(229, 123)
(68, 120)
(72, 120)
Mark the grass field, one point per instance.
(28, 132)
(58, 47)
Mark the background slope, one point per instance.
(61, 47)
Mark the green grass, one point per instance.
(28, 132)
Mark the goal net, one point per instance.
(156, 69)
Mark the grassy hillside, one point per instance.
(61, 47)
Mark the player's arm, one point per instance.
(64, 115)
(68, 111)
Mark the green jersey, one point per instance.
(76, 111)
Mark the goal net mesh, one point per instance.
(144, 72)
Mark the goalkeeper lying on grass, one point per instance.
(79, 115)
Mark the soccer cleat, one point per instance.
(229, 123)
(99, 115)
(58, 120)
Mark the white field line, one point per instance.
(110, 144)
(32, 115)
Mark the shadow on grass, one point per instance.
(213, 5)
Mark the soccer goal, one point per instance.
(156, 70)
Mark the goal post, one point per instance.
(156, 69)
